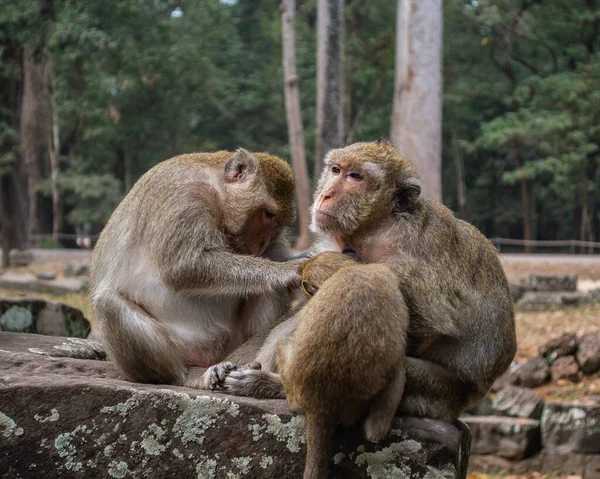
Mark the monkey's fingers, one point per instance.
(218, 373)
(254, 365)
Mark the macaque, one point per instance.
(346, 357)
(193, 262)
(461, 333)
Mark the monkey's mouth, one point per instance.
(323, 216)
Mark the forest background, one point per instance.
(94, 93)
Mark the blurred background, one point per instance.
(497, 102)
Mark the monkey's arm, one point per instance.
(227, 273)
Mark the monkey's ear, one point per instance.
(241, 166)
(407, 192)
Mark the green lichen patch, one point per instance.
(151, 440)
(293, 432)
(266, 461)
(205, 468)
(448, 472)
(8, 426)
(122, 409)
(16, 319)
(390, 462)
(199, 414)
(242, 464)
(65, 445)
(53, 417)
(118, 469)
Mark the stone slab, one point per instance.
(569, 427)
(28, 282)
(75, 418)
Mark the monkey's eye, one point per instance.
(355, 176)
(269, 214)
(335, 169)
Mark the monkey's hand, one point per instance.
(245, 381)
(215, 376)
(292, 277)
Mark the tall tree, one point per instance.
(417, 113)
(294, 120)
(330, 106)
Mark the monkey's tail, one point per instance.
(319, 433)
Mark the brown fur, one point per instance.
(331, 368)
(461, 334)
(172, 284)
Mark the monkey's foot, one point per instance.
(245, 381)
(214, 376)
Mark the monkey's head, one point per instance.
(319, 269)
(259, 200)
(361, 185)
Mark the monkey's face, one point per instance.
(259, 200)
(362, 184)
(320, 268)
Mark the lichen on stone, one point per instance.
(266, 461)
(256, 430)
(390, 461)
(151, 440)
(178, 454)
(53, 417)
(8, 426)
(293, 432)
(123, 408)
(448, 472)
(205, 468)
(338, 457)
(16, 319)
(118, 469)
(242, 463)
(199, 414)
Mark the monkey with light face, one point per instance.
(192, 263)
(461, 333)
(346, 357)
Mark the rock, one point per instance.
(511, 438)
(560, 346)
(533, 373)
(518, 402)
(550, 283)
(569, 466)
(588, 353)
(63, 417)
(45, 275)
(594, 295)
(38, 315)
(542, 301)
(565, 367)
(75, 269)
(571, 427)
(28, 282)
(18, 258)
(95, 334)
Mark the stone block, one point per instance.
(28, 282)
(588, 353)
(515, 401)
(550, 283)
(17, 258)
(507, 437)
(560, 346)
(64, 417)
(571, 427)
(567, 368)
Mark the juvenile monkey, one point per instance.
(346, 357)
(189, 264)
(461, 333)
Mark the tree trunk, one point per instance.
(461, 187)
(527, 236)
(294, 121)
(13, 210)
(35, 132)
(330, 98)
(54, 149)
(417, 110)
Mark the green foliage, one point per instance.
(134, 82)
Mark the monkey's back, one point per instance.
(348, 340)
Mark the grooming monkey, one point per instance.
(461, 333)
(191, 263)
(346, 357)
